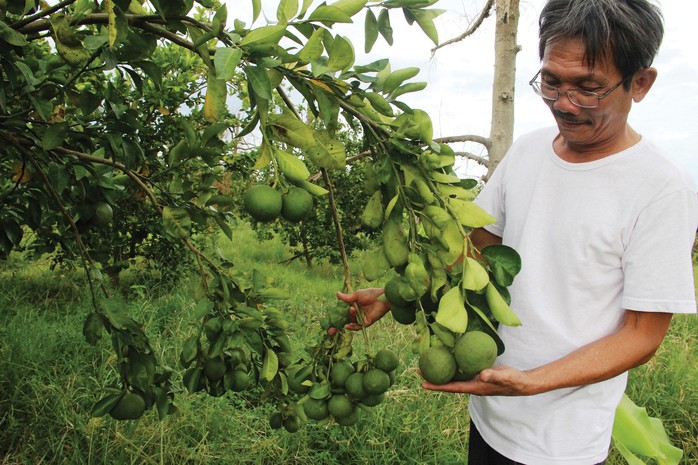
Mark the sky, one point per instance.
(459, 76)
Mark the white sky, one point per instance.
(459, 76)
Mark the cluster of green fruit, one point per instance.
(337, 392)
(265, 204)
(472, 352)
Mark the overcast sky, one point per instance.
(459, 76)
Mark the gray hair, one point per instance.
(631, 30)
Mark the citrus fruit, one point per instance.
(339, 373)
(350, 419)
(392, 291)
(214, 368)
(292, 424)
(130, 407)
(405, 315)
(297, 204)
(437, 364)
(354, 386)
(263, 203)
(316, 409)
(386, 360)
(103, 214)
(371, 400)
(340, 406)
(475, 351)
(240, 381)
(376, 381)
(276, 420)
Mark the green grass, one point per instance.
(50, 378)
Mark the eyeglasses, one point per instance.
(578, 97)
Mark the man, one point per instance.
(604, 223)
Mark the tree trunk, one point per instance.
(505, 49)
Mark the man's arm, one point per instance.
(633, 344)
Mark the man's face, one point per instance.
(585, 130)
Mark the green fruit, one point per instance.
(474, 351)
(372, 216)
(354, 386)
(386, 360)
(130, 407)
(340, 406)
(374, 264)
(276, 420)
(339, 373)
(103, 214)
(240, 381)
(297, 204)
(437, 364)
(316, 409)
(395, 243)
(214, 368)
(376, 381)
(350, 419)
(404, 315)
(292, 424)
(371, 400)
(263, 203)
(392, 291)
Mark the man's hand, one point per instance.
(368, 301)
(495, 381)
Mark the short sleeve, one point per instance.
(657, 261)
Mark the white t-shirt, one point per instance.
(595, 238)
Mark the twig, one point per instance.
(41, 14)
(473, 27)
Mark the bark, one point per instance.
(506, 48)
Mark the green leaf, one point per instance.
(452, 314)
(256, 9)
(643, 435)
(286, 10)
(350, 7)
(398, 77)
(475, 275)
(105, 405)
(384, 26)
(264, 35)
(92, 328)
(270, 366)
(11, 36)
(425, 19)
(314, 47)
(370, 31)
(469, 214)
(290, 130)
(329, 15)
(259, 81)
(504, 262)
(341, 54)
(176, 221)
(292, 167)
(312, 188)
(226, 60)
(54, 136)
(409, 87)
(379, 103)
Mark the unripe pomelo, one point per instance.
(340, 406)
(130, 407)
(386, 360)
(475, 351)
(103, 214)
(297, 204)
(392, 291)
(376, 381)
(404, 315)
(437, 364)
(316, 409)
(214, 368)
(292, 424)
(339, 373)
(354, 386)
(263, 203)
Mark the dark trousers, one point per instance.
(480, 453)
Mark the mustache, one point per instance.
(569, 118)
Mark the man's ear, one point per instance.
(642, 83)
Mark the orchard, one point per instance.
(132, 129)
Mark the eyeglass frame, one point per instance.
(599, 97)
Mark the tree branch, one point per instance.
(484, 161)
(486, 10)
(30, 19)
(466, 138)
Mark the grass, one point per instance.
(50, 378)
